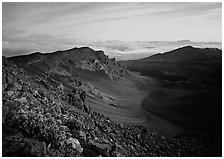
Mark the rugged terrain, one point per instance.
(78, 102)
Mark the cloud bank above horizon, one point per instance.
(46, 27)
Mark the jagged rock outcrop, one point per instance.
(64, 63)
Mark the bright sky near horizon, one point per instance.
(43, 26)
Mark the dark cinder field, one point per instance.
(186, 94)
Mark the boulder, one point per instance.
(94, 149)
(14, 138)
(11, 145)
(22, 100)
(81, 135)
(10, 93)
(17, 86)
(18, 146)
(91, 151)
(14, 149)
(75, 144)
(5, 111)
(63, 128)
(34, 148)
(10, 78)
(4, 85)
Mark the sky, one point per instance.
(46, 27)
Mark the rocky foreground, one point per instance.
(39, 121)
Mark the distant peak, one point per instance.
(86, 48)
(188, 46)
(78, 48)
(185, 48)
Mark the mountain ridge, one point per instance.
(85, 58)
(188, 54)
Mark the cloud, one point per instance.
(11, 52)
(51, 26)
(182, 10)
(141, 49)
(32, 43)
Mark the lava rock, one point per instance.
(34, 148)
(75, 144)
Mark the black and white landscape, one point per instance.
(72, 87)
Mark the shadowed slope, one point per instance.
(189, 87)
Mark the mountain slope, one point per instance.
(188, 54)
(64, 62)
(188, 90)
(56, 105)
(185, 63)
